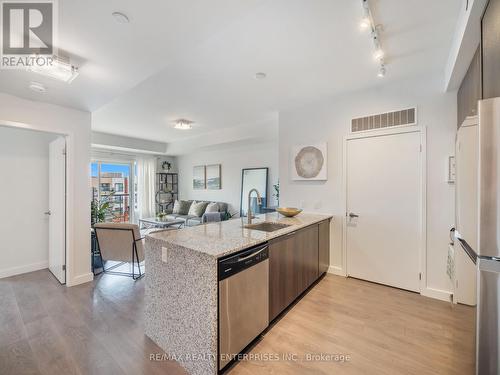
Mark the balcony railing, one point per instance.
(119, 206)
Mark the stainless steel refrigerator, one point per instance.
(481, 241)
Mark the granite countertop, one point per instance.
(220, 239)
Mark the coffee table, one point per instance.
(154, 222)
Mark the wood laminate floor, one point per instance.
(97, 328)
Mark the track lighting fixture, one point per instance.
(368, 23)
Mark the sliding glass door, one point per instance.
(112, 191)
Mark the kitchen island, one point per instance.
(181, 313)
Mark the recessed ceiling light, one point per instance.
(37, 87)
(260, 75)
(183, 124)
(120, 17)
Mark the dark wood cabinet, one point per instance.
(490, 30)
(293, 267)
(306, 258)
(323, 247)
(469, 92)
(282, 275)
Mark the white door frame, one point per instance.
(69, 192)
(423, 188)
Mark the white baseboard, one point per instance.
(336, 270)
(23, 269)
(439, 294)
(80, 279)
(442, 295)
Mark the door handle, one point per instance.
(352, 215)
(48, 213)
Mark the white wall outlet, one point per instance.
(164, 254)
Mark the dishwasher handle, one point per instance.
(252, 255)
(242, 260)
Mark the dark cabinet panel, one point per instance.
(293, 267)
(490, 29)
(324, 247)
(306, 241)
(470, 90)
(282, 274)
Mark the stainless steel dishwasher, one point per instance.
(243, 300)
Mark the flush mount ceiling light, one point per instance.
(183, 124)
(60, 69)
(260, 75)
(120, 17)
(37, 87)
(367, 22)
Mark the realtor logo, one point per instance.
(28, 33)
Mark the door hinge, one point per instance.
(420, 276)
(420, 147)
(64, 152)
(64, 267)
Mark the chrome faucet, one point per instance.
(249, 210)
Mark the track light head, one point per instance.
(381, 72)
(378, 54)
(365, 23)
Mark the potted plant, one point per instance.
(99, 209)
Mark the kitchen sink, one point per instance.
(266, 226)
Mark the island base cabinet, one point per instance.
(293, 267)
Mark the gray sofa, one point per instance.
(197, 220)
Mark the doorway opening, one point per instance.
(33, 197)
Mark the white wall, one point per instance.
(171, 159)
(233, 159)
(329, 120)
(24, 164)
(75, 125)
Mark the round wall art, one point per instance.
(309, 162)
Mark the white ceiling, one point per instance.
(197, 59)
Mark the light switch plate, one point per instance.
(451, 170)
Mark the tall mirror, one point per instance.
(253, 178)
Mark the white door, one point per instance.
(57, 208)
(384, 190)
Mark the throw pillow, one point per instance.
(177, 207)
(181, 207)
(197, 208)
(212, 207)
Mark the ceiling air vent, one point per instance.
(404, 117)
